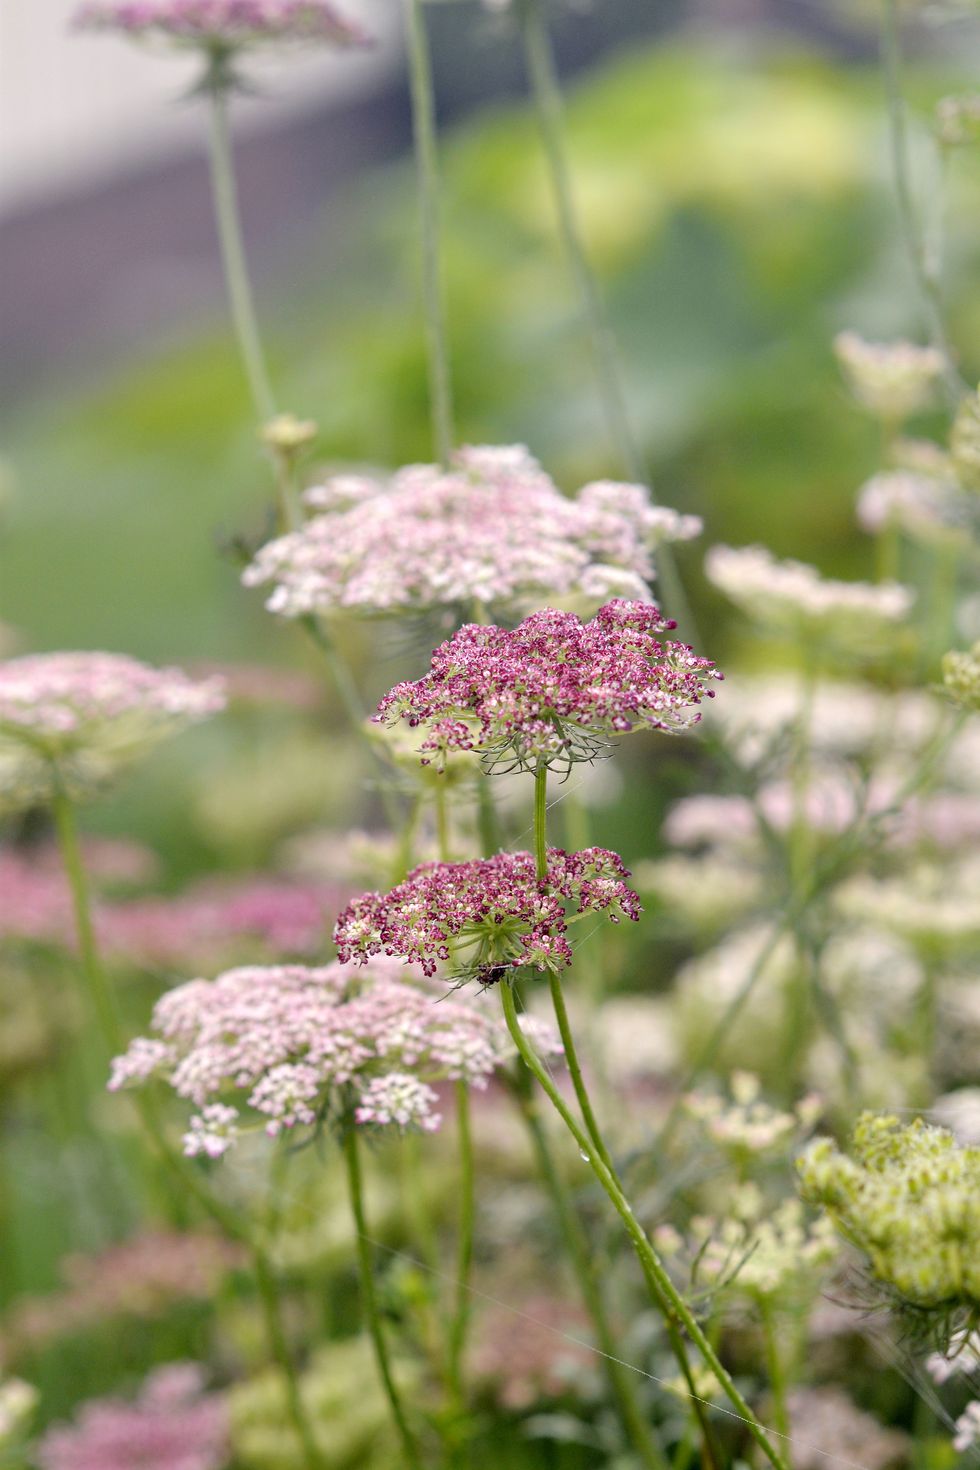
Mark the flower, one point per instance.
(18, 1400)
(223, 23)
(962, 1356)
(554, 689)
(75, 720)
(909, 1198)
(281, 1040)
(891, 379)
(927, 509)
(968, 1428)
(761, 1252)
(961, 676)
(749, 1125)
(487, 916)
(172, 1425)
(825, 1425)
(492, 530)
(957, 120)
(792, 599)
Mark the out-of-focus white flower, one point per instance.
(890, 379)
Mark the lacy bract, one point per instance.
(554, 689)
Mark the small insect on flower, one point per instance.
(554, 689)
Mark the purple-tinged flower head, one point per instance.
(487, 917)
(173, 1425)
(492, 530)
(75, 720)
(223, 25)
(275, 1046)
(553, 689)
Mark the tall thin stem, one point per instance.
(234, 1225)
(575, 1070)
(924, 269)
(663, 1289)
(546, 95)
(464, 1248)
(426, 160)
(225, 192)
(369, 1299)
(541, 821)
(774, 1365)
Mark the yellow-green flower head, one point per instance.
(908, 1197)
(961, 676)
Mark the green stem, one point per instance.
(369, 1300)
(546, 94)
(426, 160)
(924, 271)
(541, 821)
(103, 1003)
(774, 1365)
(441, 804)
(653, 1268)
(575, 1070)
(577, 1244)
(226, 210)
(464, 1250)
(489, 825)
(350, 699)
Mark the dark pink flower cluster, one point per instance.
(279, 1039)
(553, 688)
(228, 23)
(488, 916)
(173, 1425)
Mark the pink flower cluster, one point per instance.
(81, 717)
(228, 23)
(140, 1277)
(173, 1425)
(554, 688)
(494, 529)
(487, 916)
(288, 1036)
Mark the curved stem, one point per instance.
(369, 1299)
(575, 1071)
(464, 1250)
(577, 1244)
(664, 1289)
(229, 223)
(546, 94)
(426, 159)
(234, 1225)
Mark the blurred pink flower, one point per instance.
(231, 23)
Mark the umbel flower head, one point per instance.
(793, 599)
(223, 25)
(909, 1198)
(173, 1425)
(493, 529)
(487, 917)
(961, 676)
(890, 379)
(75, 720)
(277, 1042)
(553, 689)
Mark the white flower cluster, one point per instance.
(762, 1253)
(890, 379)
(929, 510)
(749, 1125)
(492, 530)
(790, 598)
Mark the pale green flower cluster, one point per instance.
(748, 1125)
(908, 1196)
(762, 1253)
(961, 676)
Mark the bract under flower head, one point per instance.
(492, 530)
(891, 379)
(277, 1041)
(487, 917)
(223, 24)
(793, 599)
(554, 689)
(78, 719)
